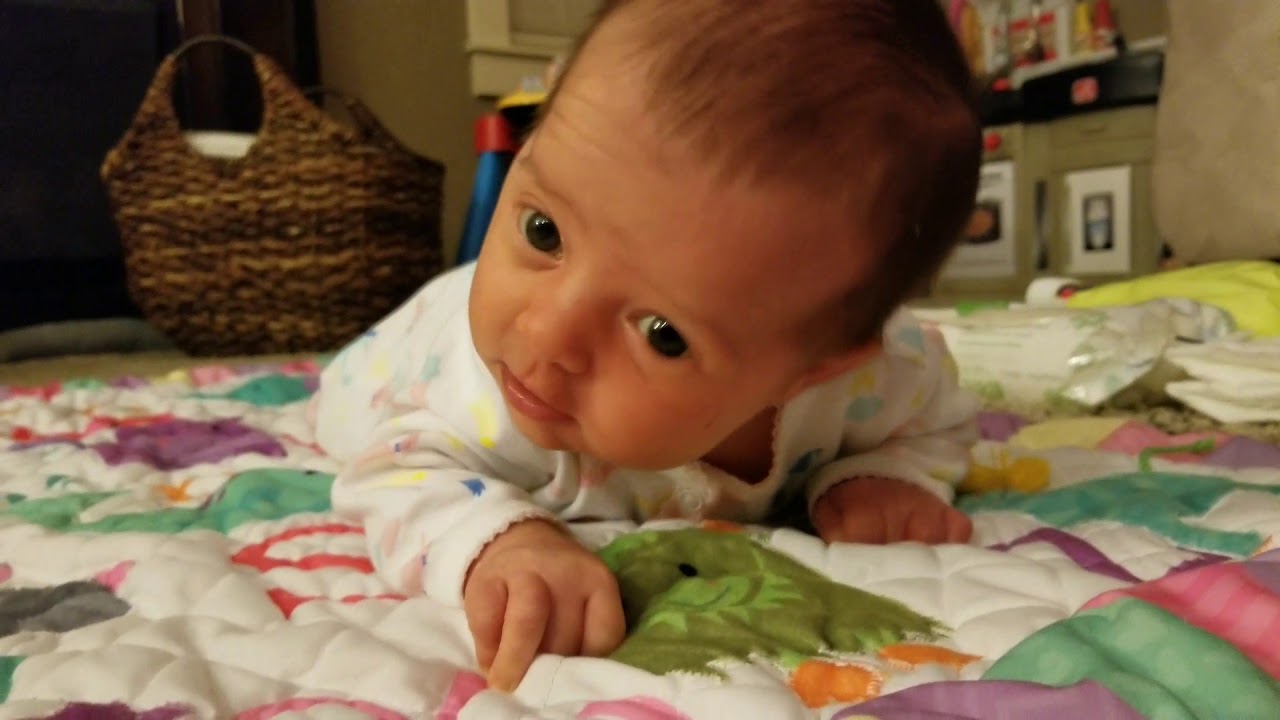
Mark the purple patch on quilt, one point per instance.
(999, 426)
(1244, 452)
(995, 700)
(1264, 569)
(177, 444)
(119, 711)
(1079, 550)
(129, 382)
(1201, 559)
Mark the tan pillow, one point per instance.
(1216, 172)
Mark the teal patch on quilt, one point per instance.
(267, 391)
(1160, 502)
(264, 494)
(1162, 666)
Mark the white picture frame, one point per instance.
(994, 253)
(1098, 220)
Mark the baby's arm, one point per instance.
(901, 488)
(428, 502)
(438, 521)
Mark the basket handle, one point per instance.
(279, 96)
(365, 120)
(206, 38)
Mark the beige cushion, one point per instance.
(1216, 173)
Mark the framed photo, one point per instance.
(1098, 221)
(989, 250)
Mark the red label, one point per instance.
(1084, 91)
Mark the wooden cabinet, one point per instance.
(1074, 199)
(1099, 179)
(508, 40)
(1000, 262)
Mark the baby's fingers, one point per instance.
(959, 527)
(485, 603)
(827, 520)
(925, 525)
(523, 625)
(859, 526)
(605, 626)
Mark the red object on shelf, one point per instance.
(1002, 85)
(1104, 25)
(992, 141)
(1084, 91)
(493, 134)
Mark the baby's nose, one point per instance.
(556, 334)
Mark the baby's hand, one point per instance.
(534, 589)
(876, 510)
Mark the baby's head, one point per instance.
(722, 204)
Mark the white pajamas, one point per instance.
(434, 468)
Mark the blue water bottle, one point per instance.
(495, 146)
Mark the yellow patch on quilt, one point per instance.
(1022, 474)
(1085, 432)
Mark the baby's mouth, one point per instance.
(527, 402)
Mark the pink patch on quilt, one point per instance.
(465, 686)
(111, 579)
(1134, 437)
(636, 708)
(1220, 599)
(212, 375)
(266, 712)
(300, 367)
(6, 572)
(42, 392)
(27, 438)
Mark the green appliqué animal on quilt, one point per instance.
(694, 599)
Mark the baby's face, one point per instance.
(631, 305)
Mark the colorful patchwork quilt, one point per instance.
(168, 550)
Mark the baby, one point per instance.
(686, 306)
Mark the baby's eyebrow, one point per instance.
(525, 162)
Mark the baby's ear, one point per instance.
(835, 364)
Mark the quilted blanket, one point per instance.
(168, 550)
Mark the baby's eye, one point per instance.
(662, 336)
(540, 231)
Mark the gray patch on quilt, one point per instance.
(57, 609)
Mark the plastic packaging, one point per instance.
(1232, 380)
(1035, 355)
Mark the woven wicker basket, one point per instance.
(316, 233)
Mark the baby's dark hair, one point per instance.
(867, 102)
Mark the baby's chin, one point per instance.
(577, 440)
